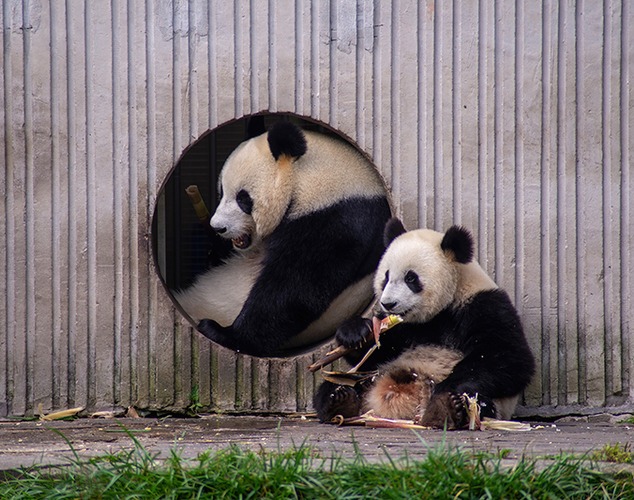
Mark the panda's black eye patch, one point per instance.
(386, 279)
(413, 282)
(244, 201)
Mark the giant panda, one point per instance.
(304, 214)
(460, 335)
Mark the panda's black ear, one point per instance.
(458, 241)
(287, 139)
(393, 228)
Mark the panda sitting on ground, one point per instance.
(460, 335)
(305, 213)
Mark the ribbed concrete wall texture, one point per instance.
(513, 118)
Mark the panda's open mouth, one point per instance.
(242, 242)
(381, 312)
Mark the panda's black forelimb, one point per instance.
(354, 333)
(498, 362)
(487, 406)
(220, 335)
(303, 278)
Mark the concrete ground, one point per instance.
(24, 444)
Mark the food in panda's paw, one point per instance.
(352, 334)
(473, 412)
(381, 325)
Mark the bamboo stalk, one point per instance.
(198, 203)
(330, 357)
(378, 327)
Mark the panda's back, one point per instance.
(332, 171)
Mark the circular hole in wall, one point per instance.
(184, 246)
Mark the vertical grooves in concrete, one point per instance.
(516, 124)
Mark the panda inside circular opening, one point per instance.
(292, 236)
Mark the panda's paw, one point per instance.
(404, 376)
(445, 410)
(354, 332)
(331, 400)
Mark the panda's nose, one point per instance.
(219, 230)
(388, 306)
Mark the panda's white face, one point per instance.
(233, 218)
(255, 193)
(415, 278)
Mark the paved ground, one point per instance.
(38, 443)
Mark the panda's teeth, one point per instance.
(241, 242)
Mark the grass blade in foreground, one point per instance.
(302, 473)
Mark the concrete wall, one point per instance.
(512, 118)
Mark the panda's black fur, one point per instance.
(313, 211)
(477, 321)
(306, 271)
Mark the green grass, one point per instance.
(617, 453)
(301, 473)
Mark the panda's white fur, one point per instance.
(330, 170)
(403, 387)
(392, 396)
(220, 292)
(285, 188)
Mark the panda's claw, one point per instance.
(331, 400)
(445, 410)
(460, 415)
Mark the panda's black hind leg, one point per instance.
(332, 399)
(445, 410)
(487, 407)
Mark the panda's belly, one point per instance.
(405, 384)
(220, 293)
(353, 301)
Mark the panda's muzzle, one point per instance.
(383, 309)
